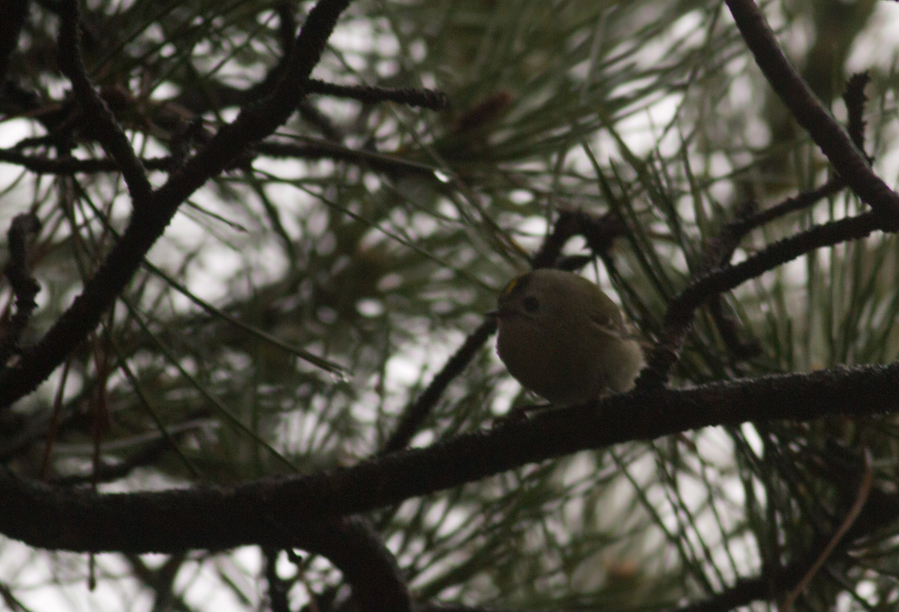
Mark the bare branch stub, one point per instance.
(855, 99)
(24, 286)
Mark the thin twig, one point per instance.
(424, 98)
(415, 414)
(864, 489)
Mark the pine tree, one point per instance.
(250, 246)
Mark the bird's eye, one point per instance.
(531, 304)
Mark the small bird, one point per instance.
(563, 338)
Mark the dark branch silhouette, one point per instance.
(24, 285)
(808, 111)
(219, 518)
(150, 218)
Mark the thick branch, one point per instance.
(214, 518)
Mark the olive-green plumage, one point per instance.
(563, 338)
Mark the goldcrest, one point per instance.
(563, 338)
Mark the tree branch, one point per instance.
(220, 518)
(149, 222)
(681, 310)
(811, 114)
(102, 122)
